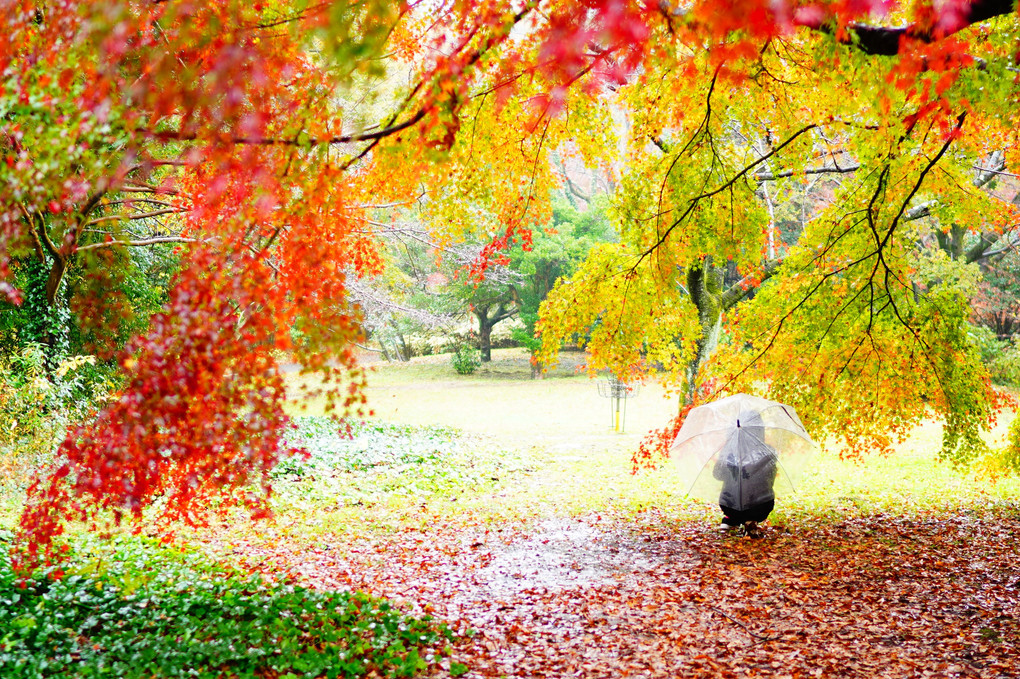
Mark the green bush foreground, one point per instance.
(144, 611)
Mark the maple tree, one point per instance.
(254, 129)
(857, 325)
(267, 133)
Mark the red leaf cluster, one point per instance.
(274, 234)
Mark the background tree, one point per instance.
(517, 283)
(852, 300)
(491, 302)
(997, 302)
(406, 301)
(555, 252)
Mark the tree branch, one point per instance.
(889, 40)
(41, 237)
(139, 243)
(980, 250)
(312, 141)
(137, 187)
(742, 288)
(142, 215)
(918, 211)
(693, 202)
(766, 176)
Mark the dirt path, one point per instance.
(931, 597)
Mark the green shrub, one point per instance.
(24, 393)
(36, 405)
(147, 612)
(466, 359)
(33, 397)
(1001, 357)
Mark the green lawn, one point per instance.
(556, 436)
(540, 447)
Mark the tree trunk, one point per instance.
(49, 318)
(386, 354)
(487, 321)
(704, 285)
(712, 299)
(485, 337)
(403, 348)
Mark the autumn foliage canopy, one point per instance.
(271, 139)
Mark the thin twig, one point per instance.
(139, 243)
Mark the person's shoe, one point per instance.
(723, 527)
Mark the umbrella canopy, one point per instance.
(741, 451)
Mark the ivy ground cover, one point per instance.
(133, 609)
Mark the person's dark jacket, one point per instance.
(747, 467)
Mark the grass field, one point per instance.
(548, 448)
(567, 564)
(502, 400)
(550, 444)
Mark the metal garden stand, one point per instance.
(617, 392)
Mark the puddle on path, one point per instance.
(568, 553)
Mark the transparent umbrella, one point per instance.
(741, 451)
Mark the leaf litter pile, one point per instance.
(883, 596)
(659, 594)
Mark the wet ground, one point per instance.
(563, 554)
(867, 597)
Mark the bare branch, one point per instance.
(141, 215)
(138, 187)
(890, 40)
(139, 243)
(301, 142)
(767, 176)
(918, 211)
